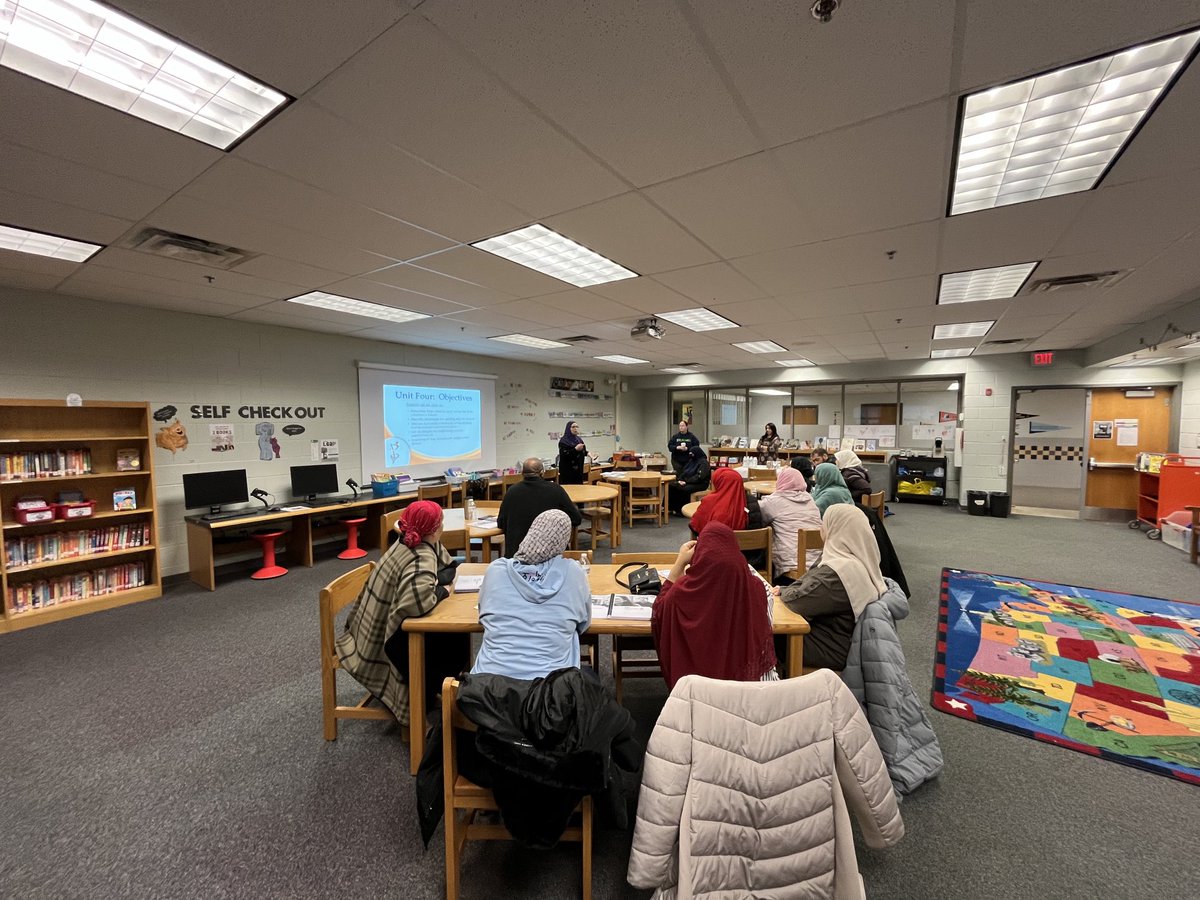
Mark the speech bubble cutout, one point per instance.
(293, 429)
(164, 413)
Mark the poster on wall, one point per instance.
(572, 384)
(1127, 432)
(944, 416)
(220, 438)
(324, 450)
(1102, 431)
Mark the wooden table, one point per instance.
(603, 494)
(760, 487)
(459, 613)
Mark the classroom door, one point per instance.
(1119, 427)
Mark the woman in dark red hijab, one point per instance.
(713, 619)
(726, 504)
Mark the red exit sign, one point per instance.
(1042, 358)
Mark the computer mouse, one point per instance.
(274, 509)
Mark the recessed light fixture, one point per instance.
(356, 307)
(623, 360)
(1139, 363)
(525, 340)
(951, 354)
(678, 370)
(39, 244)
(698, 319)
(962, 330)
(548, 252)
(761, 347)
(1057, 133)
(998, 283)
(771, 392)
(114, 59)
(799, 363)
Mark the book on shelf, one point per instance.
(46, 592)
(124, 500)
(22, 552)
(129, 459)
(16, 466)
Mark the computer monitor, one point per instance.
(308, 481)
(214, 489)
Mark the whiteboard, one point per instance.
(944, 430)
(872, 431)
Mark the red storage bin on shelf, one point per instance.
(32, 510)
(80, 509)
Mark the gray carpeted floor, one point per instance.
(173, 749)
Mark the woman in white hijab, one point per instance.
(534, 606)
(855, 474)
(833, 595)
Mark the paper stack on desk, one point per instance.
(467, 584)
(622, 606)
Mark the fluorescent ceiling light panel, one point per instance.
(623, 360)
(548, 252)
(951, 354)
(1139, 363)
(997, 283)
(698, 319)
(795, 363)
(525, 340)
(107, 56)
(679, 370)
(771, 392)
(761, 347)
(962, 330)
(356, 307)
(39, 244)
(1057, 133)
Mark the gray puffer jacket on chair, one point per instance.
(748, 787)
(877, 674)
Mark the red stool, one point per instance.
(352, 551)
(269, 569)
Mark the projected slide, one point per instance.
(431, 425)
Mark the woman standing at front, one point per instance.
(769, 445)
(572, 454)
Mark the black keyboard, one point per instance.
(221, 517)
(327, 501)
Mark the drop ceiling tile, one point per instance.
(491, 271)
(1022, 232)
(713, 283)
(41, 214)
(23, 280)
(492, 139)
(31, 264)
(763, 311)
(254, 190)
(288, 318)
(1166, 142)
(435, 284)
(541, 313)
(157, 293)
(1149, 213)
(836, 324)
(489, 318)
(600, 309)
(655, 105)
(389, 295)
(631, 231)
(289, 271)
(737, 208)
(115, 260)
(646, 295)
(329, 153)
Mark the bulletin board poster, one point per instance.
(431, 424)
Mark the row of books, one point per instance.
(29, 551)
(78, 586)
(45, 463)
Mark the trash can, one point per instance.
(977, 503)
(1000, 504)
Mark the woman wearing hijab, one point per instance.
(829, 488)
(572, 454)
(769, 445)
(713, 615)
(728, 503)
(789, 510)
(857, 478)
(834, 594)
(694, 476)
(804, 466)
(409, 580)
(534, 606)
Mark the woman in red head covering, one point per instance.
(713, 616)
(409, 580)
(728, 503)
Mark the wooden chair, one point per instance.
(464, 799)
(806, 539)
(763, 473)
(488, 508)
(550, 475)
(441, 494)
(647, 499)
(507, 481)
(643, 666)
(335, 597)
(757, 539)
(874, 501)
(595, 475)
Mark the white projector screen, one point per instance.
(425, 421)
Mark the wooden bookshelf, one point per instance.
(102, 428)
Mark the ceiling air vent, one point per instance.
(1090, 280)
(1010, 341)
(579, 339)
(187, 249)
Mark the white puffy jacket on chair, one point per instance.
(747, 789)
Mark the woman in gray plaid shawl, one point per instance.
(409, 580)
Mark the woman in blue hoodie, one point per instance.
(534, 606)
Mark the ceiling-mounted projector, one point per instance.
(647, 330)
